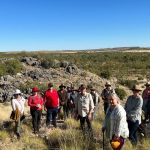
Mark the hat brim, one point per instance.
(17, 93)
(136, 89)
(107, 84)
(62, 86)
(147, 84)
(36, 91)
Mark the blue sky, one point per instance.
(73, 24)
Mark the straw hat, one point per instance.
(136, 88)
(147, 84)
(107, 83)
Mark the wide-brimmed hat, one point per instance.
(17, 92)
(147, 84)
(50, 84)
(82, 87)
(35, 89)
(62, 85)
(92, 88)
(136, 88)
(107, 83)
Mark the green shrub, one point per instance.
(10, 67)
(105, 74)
(128, 83)
(121, 93)
(13, 67)
(2, 69)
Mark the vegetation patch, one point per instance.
(121, 93)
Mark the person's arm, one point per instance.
(30, 99)
(137, 108)
(91, 104)
(13, 105)
(58, 98)
(76, 104)
(120, 118)
(126, 104)
(41, 101)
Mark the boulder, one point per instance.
(31, 61)
(8, 78)
(72, 69)
(35, 75)
(55, 64)
(64, 64)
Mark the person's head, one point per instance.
(73, 90)
(113, 99)
(35, 91)
(92, 90)
(62, 87)
(83, 89)
(17, 93)
(136, 90)
(108, 85)
(50, 85)
(147, 84)
(68, 88)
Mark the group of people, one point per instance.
(64, 102)
(123, 122)
(119, 123)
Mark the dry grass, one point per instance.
(5, 111)
(4, 135)
(68, 138)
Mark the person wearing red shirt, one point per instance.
(51, 101)
(35, 101)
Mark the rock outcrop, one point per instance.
(39, 73)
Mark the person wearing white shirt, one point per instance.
(18, 103)
(84, 107)
(115, 123)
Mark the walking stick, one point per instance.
(103, 140)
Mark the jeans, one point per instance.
(36, 119)
(18, 126)
(51, 115)
(82, 122)
(133, 127)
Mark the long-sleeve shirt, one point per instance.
(146, 93)
(115, 122)
(63, 97)
(18, 104)
(51, 98)
(84, 104)
(33, 101)
(133, 108)
(96, 98)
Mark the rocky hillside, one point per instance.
(38, 73)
